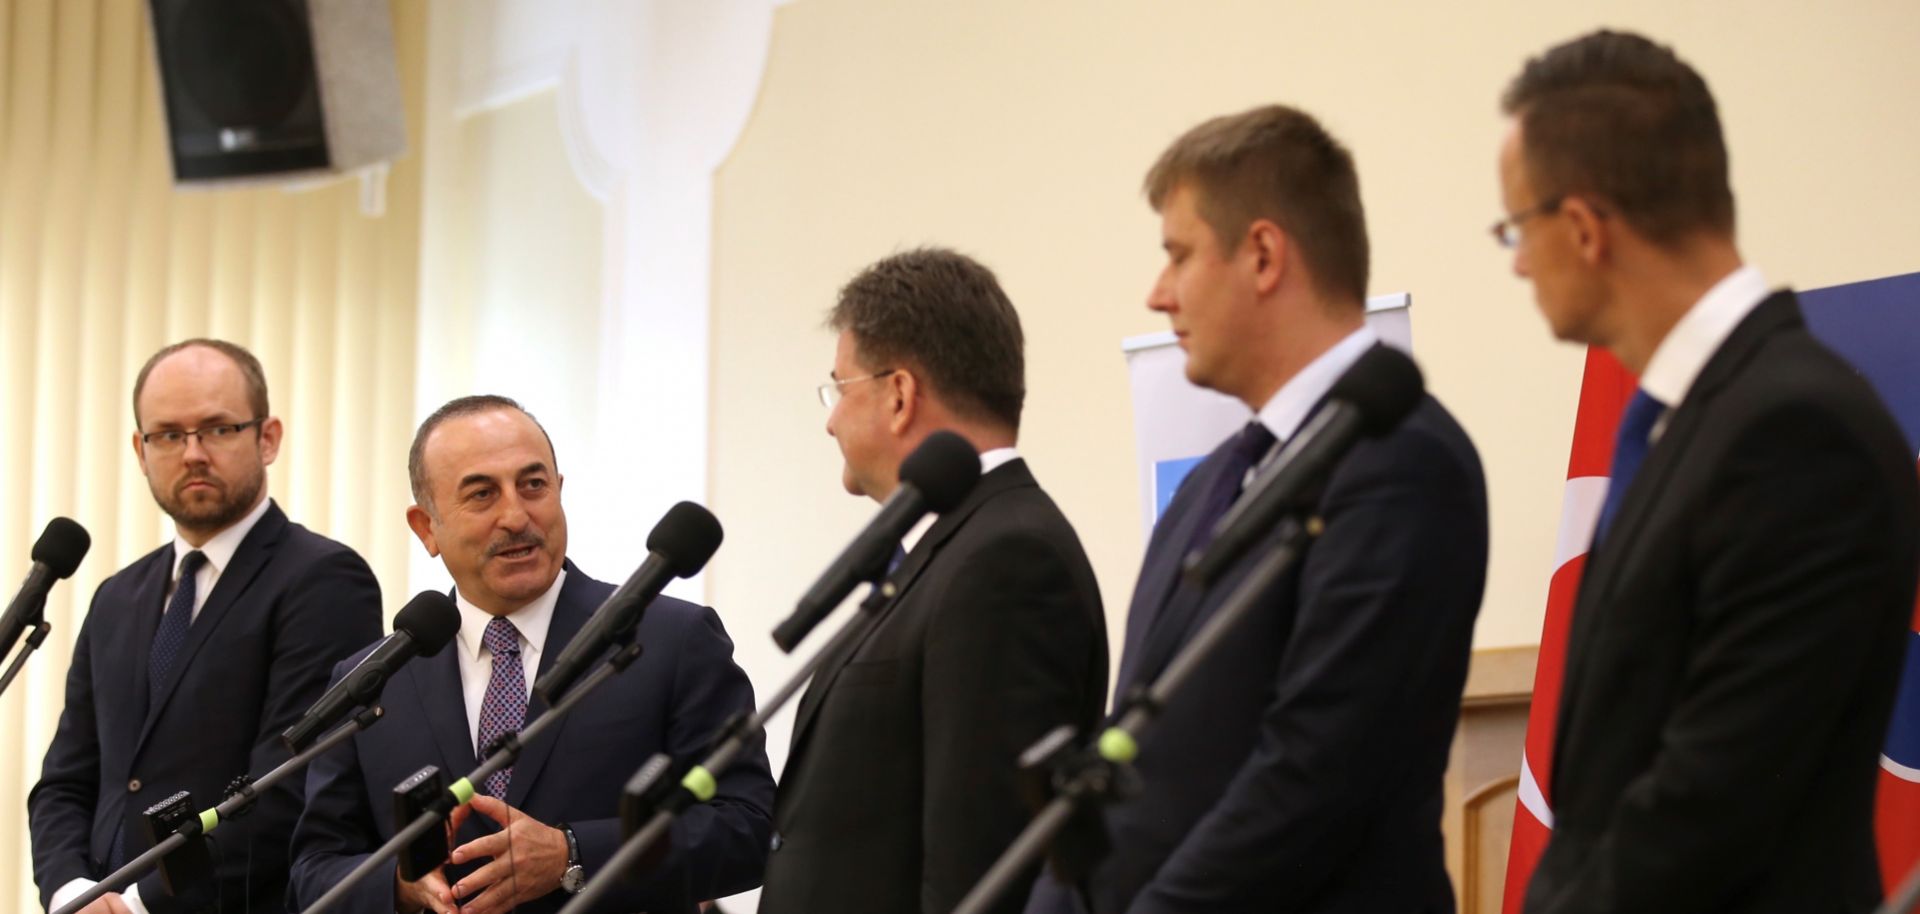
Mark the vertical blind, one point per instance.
(103, 261)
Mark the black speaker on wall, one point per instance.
(266, 88)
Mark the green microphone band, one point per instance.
(462, 791)
(699, 782)
(1118, 746)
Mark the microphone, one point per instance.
(679, 546)
(1380, 390)
(56, 554)
(934, 478)
(422, 628)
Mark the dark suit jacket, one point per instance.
(1735, 647)
(1300, 768)
(289, 605)
(900, 791)
(673, 699)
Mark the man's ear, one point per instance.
(1592, 229)
(904, 388)
(422, 524)
(1267, 245)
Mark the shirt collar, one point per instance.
(531, 620)
(997, 458)
(1677, 361)
(220, 549)
(1283, 414)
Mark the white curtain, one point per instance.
(102, 262)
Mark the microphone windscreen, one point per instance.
(686, 536)
(431, 619)
(1384, 385)
(944, 468)
(61, 546)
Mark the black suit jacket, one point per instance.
(900, 790)
(1735, 647)
(287, 607)
(1300, 768)
(674, 699)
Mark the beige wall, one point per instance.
(1019, 131)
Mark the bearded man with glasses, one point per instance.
(194, 658)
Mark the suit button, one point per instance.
(133, 786)
(776, 842)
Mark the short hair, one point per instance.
(1615, 115)
(945, 314)
(250, 370)
(1277, 163)
(454, 409)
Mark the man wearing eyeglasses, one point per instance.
(1737, 638)
(900, 790)
(193, 659)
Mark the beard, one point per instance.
(210, 513)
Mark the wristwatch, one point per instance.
(575, 877)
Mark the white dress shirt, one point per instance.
(1685, 350)
(476, 661)
(219, 552)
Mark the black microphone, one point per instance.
(1380, 390)
(934, 478)
(422, 628)
(56, 554)
(679, 546)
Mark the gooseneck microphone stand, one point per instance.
(504, 752)
(237, 804)
(1905, 899)
(1102, 772)
(658, 802)
(34, 638)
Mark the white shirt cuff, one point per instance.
(78, 887)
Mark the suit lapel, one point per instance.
(570, 614)
(1012, 475)
(254, 553)
(131, 642)
(1780, 312)
(443, 704)
(1163, 603)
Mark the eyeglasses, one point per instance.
(830, 392)
(175, 440)
(1507, 231)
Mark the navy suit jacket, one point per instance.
(1300, 768)
(289, 605)
(673, 699)
(1736, 646)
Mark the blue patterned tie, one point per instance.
(505, 707)
(171, 636)
(1629, 449)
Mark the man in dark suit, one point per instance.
(487, 503)
(194, 658)
(1299, 769)
(1737, 638)
(900, 789)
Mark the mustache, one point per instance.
(515, 541)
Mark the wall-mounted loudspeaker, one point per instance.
(264, 88)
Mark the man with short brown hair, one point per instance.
(1738, 635)
(1299, 768)
(193, 659)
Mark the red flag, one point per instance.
(1604, 392)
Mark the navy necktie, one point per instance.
(1253, 443)
(171, 636)
(505, 707)
(1629, 450)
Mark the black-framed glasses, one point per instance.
(175, 439)
(1507, 231)
(830, 392)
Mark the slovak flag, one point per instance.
(1876, 326)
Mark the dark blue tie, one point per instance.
(1629, 450)
(172, 634)
(1243, 454)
